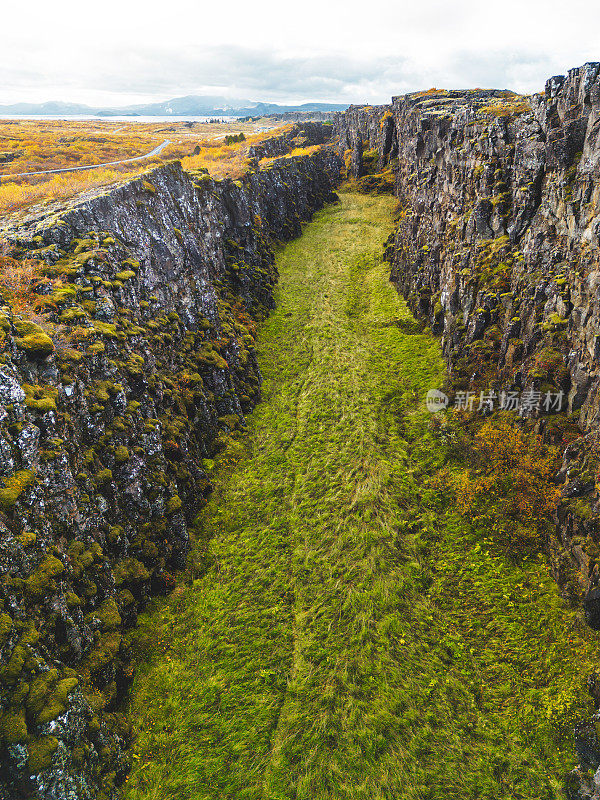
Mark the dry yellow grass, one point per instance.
(27, 145)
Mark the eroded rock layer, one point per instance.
(131, 369)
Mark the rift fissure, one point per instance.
(129, 364)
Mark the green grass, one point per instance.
(352, 637)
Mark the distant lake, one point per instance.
(84, 117)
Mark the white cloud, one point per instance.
(120, 52)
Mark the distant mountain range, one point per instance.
(190, 106)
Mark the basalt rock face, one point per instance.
(365, 128)
(111, 410)
(305, 134)
(497, 249)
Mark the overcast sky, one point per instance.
(122, 51)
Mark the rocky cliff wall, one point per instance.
(497, 250)
(132, 368)
(304, 134)
(361, 128)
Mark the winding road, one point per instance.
(157, 150)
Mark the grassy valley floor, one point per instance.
(353, 636)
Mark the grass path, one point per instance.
(352, 637)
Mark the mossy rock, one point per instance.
(13, 726)
(103, 477)
(107, 614)
(41, 749)
(72, 355)
(105, 328)
(125, 275)
(130, 569)
(174, 504)
(11, 671)
(115, 532)
(40, 398)
(42, 580)
(48, 696)
(96, 349)
(72, 315)
(36, 345)
(27, 539)
(126, 599)
(72, 600)
(6, 624)
(105, 652)
(14, 486)
(121, 454)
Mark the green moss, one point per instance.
(108, 615)
(126, 599)
(148, 187)
(72, 315)
(105, 328)
(115, 532)
(48, 696)
(134, 364)
(13, 726)
(42, 580)
(41, 749)
(40, 398)
(11, 671)
(173, 504)
(125, 275)
(555, 322)
(14, 486)
(36, 345)
(28, 539)
(72, 355)
(207, 355)
(103, 477)
(5, 628)
(130, 569)
(121, 454)
(96, 348)
(72, 600)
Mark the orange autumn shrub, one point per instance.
(510, 486)
(16, 277)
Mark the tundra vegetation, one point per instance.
(30, 146)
